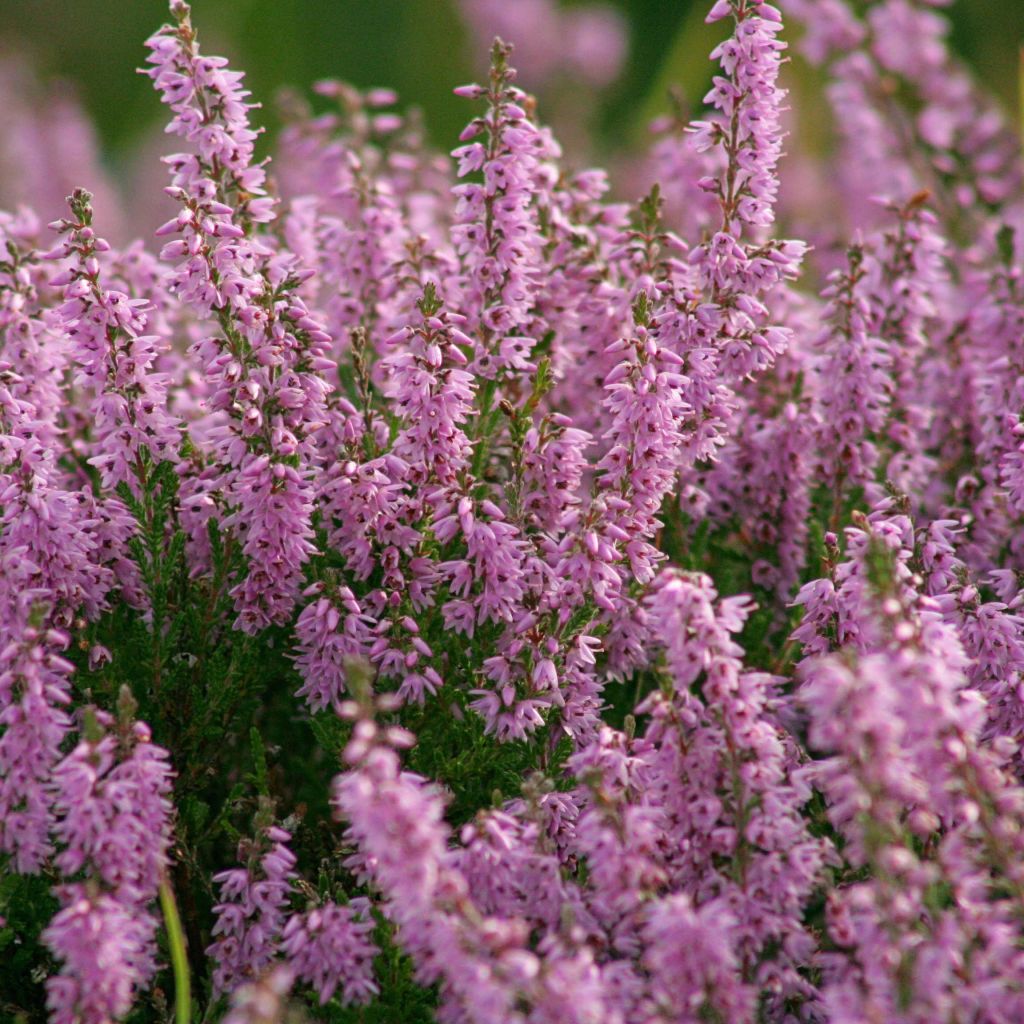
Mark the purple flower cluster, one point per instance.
(113, 830)
(663, 612)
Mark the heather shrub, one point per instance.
(438, 589)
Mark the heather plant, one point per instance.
(451, 589)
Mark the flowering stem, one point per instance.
(179, 957)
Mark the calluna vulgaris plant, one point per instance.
(649, 584)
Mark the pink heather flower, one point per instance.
(34, 694)
(992, 632)
(838, 607)
(495, 230)
(903, 731)
(694, 968)
(251, 911)
(725, 333)
(489, 577)
(996, 321)
(554, 465)
(113, 807)
(113, 823)
(273, 518)
(434, 395)
(731, 761)
(511, 873)
(329, 948)
(116, 357)
(364, 503)
(909, 276)
(644, 396)
(497, 450)
(618, 834)
(830, 28)
(330, 630)
(360, 226)
(102, 944)
(483, 963)
(855, 383)
(52, 555)
(968, 138)
(271, 384)
(749, 103)
(949, 137)
(763, 479)
(58, 536)
(33, 359)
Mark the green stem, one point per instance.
(179, 957)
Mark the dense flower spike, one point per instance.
(113, 808)
(251, 913)
(133, 428)
(495, 230)
(856, 385)
(101, 944)
(663, 612)
(907, 763)
(329, 948)
(34, 690)
(265, 372)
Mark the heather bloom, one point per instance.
(273, 519)
(646, 412)
(837, 607)
(748, 100)
(382, 805)
(763, 479)
(329, 631)
(52, 555)
(856, 385)
(909, 279)
(113, 825)
(483, 963)
(724, 332)
(329, 948)
(433, 393)
(908, 739)
(102, 945)
(587, 42)
(488, 581)
(730, 759)
(644, 396)
(113, 807)
(530, 474)
(265, 371)
(693, 965)
(359, 178)
(992, 632)
(34, 694)
(251, 914)
(949, 137)
(961, 130)
(495, 230)
(116, 357)
(33, 361)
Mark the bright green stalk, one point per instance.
(179, 958)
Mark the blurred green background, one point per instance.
(420, 47)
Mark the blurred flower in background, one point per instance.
(553, 43)
(603, 71)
